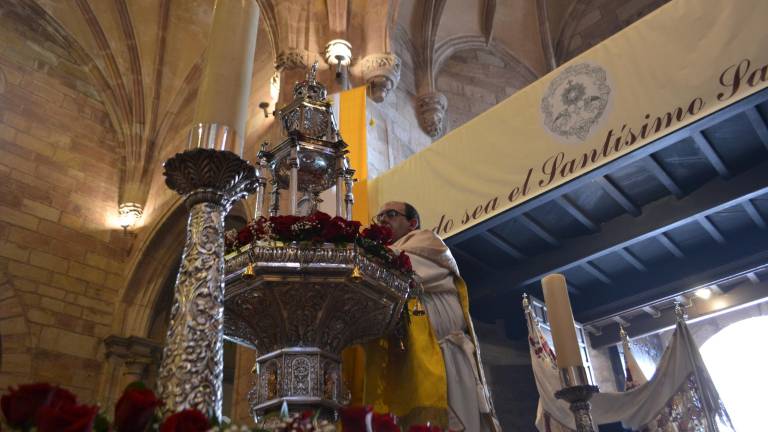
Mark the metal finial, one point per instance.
(680, 312)
(311, 77)
(526, 303)
(622, 333)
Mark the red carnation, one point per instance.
(66, 418)
(283, 226)
(378, 233)
(188, 420)
(134, 410)
(385, 423)
(20, 406)
(353, 418)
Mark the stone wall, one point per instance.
(61, 252)
(395, 134)
(474, 81)
(590, 22)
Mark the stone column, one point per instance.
(381, 73)
(132, 357)
(430, 109)
(211, 176)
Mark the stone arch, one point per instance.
(458, 63)
(589, 22)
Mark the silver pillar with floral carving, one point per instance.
(211, 175)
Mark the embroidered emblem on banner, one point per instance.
(575, 101)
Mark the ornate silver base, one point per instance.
(578, 396)
(298, 377)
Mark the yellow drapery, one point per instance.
(353, 128)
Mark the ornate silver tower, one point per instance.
(297, 304)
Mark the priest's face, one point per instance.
(392, 214)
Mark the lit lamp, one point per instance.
(338, 52)
(576, 387)
(128, 215)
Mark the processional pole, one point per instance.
(577, 390)
(711, 423)
(210, 175)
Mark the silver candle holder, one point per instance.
(577, 391)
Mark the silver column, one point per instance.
(191, 371)
(293, 185)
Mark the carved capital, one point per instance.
(207, 175)
(291, 59)
(135, 352)
(382, 73)
(430, 109)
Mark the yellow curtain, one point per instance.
(353, 128)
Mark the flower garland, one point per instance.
(43, 407)
(319, 228)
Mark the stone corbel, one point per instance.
(291, 59)
(430, 109)
(381, 73)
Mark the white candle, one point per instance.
(226, 82)
(561, 321)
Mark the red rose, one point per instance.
(66, 418)
(188, 420)
(20, 406)
(319, 218)
(134, 410)
(385, 423)
(260, 227)
(244, 236)
(425, 428)
(378, 233)
(283, 226)
(403, 262)
(353, 418)
(340, 230)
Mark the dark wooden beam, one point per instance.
(711, 229)
(596, 272)
(704, 146)
(537, 229)
(638, 154)
(503, 244)
(661, 174)
(577, 213)
(618, 196)
(670, 245)
(754, 214)
(632, 259)
(758, 123)
(469, 259)
(658, 218)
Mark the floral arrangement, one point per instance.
(43, 407)
(319, 228)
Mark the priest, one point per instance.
(436, 374)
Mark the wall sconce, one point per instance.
(264, 105)
(128, 215)
(338, 52)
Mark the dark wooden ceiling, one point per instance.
(688, 208)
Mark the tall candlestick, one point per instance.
(223, 96)
(561, 321)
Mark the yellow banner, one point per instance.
(353, 128)
(682, 62)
